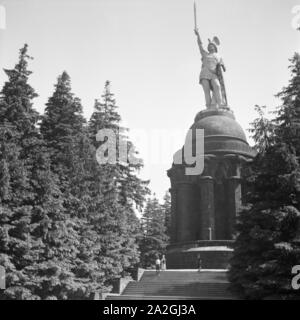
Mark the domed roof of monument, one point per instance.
(222, 133)
(218, 123)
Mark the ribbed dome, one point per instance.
(219, 123)
(222, 133)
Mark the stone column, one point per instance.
(173, 193)
(207, 210)
(185, 208)
(234, 193)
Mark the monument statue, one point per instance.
(211, 75)
(204, 207)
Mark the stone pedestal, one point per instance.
(214, 254)
(185, 215)
(204, 207)
(174, 223)
(234, 193)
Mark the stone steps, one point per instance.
(192, 289)
(143, 297)
(177, 285)
(186, 276)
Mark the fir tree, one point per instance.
(62, 127)
(131, 189)
(267, 244)
(120, 183)
(103, 227)
(262, 130)
(288, 114)
(166, 206)
(154, 240)
(31, 204)
(72, 158)
(67, 224)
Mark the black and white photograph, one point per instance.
(150, 150)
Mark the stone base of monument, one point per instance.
(215, 254)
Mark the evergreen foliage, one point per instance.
(131, 189)
(268, 230)
(154, 240)
(67, 224)
(166, 206)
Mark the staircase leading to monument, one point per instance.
(177, 285)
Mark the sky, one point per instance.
(148, 50)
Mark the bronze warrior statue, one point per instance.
(211, 75)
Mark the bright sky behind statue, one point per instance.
(148, 50)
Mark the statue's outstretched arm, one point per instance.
(200, 45)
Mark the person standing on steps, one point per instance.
(163, 263)
(199, 263)
(157, 265)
